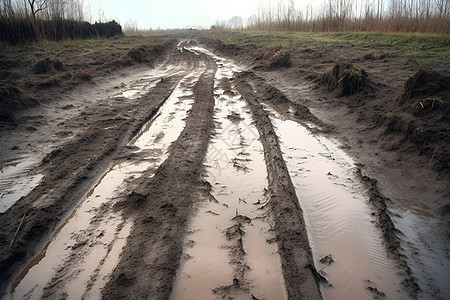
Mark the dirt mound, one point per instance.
(424, 119)
(425, 95)
(144, 54)
(140, 54)
(425, 83)
(344, 78)
(279, 60)
(272, 58)
(12, 99)
(47, 65)
(375, 55)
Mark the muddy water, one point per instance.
(237, 174)
(86, 247)
(426, 255)
(17, 176)
(17, 179)
(337, 216)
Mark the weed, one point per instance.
(428, 103)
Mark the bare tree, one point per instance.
(37, 6)
(443, 7)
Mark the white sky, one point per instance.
(173, 13)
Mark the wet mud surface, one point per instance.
(211, 176)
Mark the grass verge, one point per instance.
(434, 47)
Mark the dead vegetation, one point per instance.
(273, 57)
(353, 15)
(345, 79)
(12, 99)
(46, 65)
(425, 83)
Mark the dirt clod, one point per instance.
(344, 78)
(425, 83)
(13, 99)
(280, 59)
(46, 65)
(375, 292)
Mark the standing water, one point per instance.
(85, 249)
(347, 246)
(226, 251)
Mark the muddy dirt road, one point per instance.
(202, 179)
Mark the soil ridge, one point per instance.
(290, 230)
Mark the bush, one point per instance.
(23, 30)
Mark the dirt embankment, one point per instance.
(290, 230)
(68, 173)
(32, 75)
(162, 206)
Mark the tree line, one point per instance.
(427, 16)
(28, 21)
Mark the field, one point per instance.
(226, 164)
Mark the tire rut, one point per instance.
(296, 258)
(68, 175)
(160, 207)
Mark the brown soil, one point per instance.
(38, 75)
(290, 231)
(397, 129)
(393, 119)
(163, 206)
(344, 79)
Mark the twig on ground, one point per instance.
(14, 237)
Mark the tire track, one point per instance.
(301, 278)
(161, 206)
(68, 175)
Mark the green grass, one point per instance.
(121, 43)
(435, 47)
(85, 56)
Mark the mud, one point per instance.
(395, 130)
(74, 166)
(226, 254)
(163, 205)
(289, 226)
(409, 168)
(93, 231)
(336, 210)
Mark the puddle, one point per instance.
(426, 255)
(85, 249)
(137, 88)
(237, 173)
(337, 216)
(17, 179)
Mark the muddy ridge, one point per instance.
(389, 233)
(290, 231)
(74, 171)
(161, 207)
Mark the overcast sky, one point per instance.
(170, 13)
(174, 13)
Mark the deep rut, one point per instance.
(161, 207)
(217, 216)
(297, 264)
